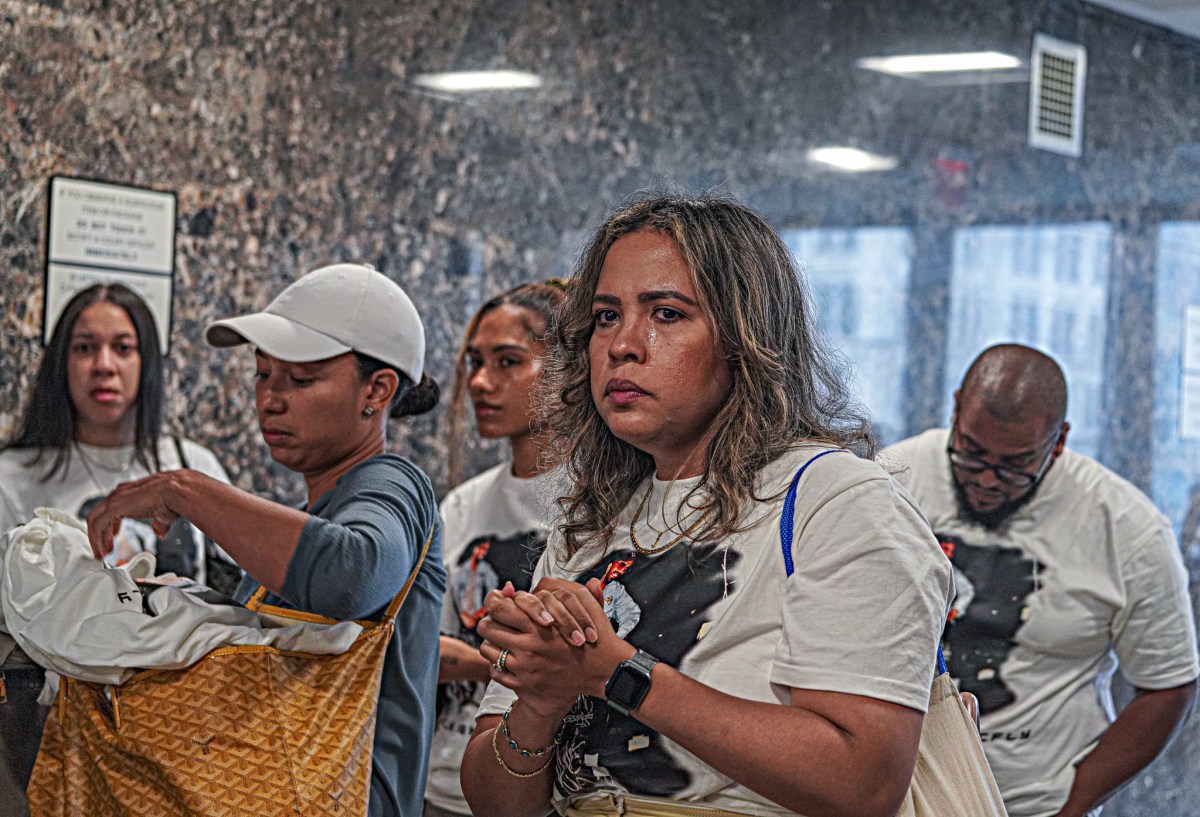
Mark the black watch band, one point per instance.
(629, 683)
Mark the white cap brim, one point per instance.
(277, 336)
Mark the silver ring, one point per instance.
(501, 659)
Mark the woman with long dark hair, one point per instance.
(701, 638)
(92, 421)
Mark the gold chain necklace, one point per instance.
(654, 548)
(120, 473)
(103, 466)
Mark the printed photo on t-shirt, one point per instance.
(660, 605)
(485, 564)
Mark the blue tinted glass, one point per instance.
(1046, 286)
(1176, 458)
(859, 280)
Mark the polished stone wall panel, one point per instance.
(294, 137)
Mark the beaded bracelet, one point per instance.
(512, 744)
(509, 769)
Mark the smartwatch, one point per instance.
(630, 682)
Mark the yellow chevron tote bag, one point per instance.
(244, 732)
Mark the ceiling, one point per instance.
(1179, 15)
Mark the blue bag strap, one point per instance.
(789, 508)
(785, 533)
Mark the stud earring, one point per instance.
(368, 412)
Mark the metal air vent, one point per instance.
(1056, 95)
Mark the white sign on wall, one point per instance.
(100, 233)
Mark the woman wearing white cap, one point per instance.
(731, 639)
(337, 353)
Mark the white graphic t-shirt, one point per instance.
(495, 528)
(861, 614)
(1083, 576)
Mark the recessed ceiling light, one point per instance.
(908, 64)
(851, 160)
(459, 82)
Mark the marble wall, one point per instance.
(294, 136)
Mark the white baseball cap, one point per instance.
(330, 311)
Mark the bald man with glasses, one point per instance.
(1064, 572)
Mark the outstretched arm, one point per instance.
(1139, 734)
(258, 534)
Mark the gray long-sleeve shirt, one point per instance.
(354, 555)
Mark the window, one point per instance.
(838, 309)
(1062, 331)
(1023, 322)
(859, 281)
(1009, 284)
(1175, 462)
(1066, 265)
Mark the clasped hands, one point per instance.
(560, 643)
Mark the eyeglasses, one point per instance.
(1009, 476)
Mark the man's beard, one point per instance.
(991, 520)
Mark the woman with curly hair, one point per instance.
(701, 639)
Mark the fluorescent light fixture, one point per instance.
(851, 160)
(908, 64)
(461, 82)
